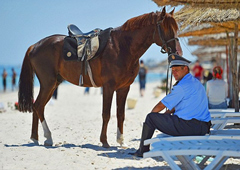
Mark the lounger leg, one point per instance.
(187, 162)
(204, 160)
(217, 162)
(170, 161)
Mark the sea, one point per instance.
(151, 77)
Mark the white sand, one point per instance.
(75, 122)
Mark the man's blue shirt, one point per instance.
(189, 99)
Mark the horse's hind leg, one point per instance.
(121, 100)
(39, 106)
(34, 135)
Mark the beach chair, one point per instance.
(220, 123)
(186, 148)
(222, 110)
(217, 129)
(220, 114)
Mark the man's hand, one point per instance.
(170, 111)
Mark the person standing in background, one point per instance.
(197, 71)
(14, 75)
(55, 93)
(217, 90)
(4, 76)
(86, 91)
(142, 77)
(207, 75)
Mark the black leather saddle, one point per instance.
(74, 31)
(77, 37)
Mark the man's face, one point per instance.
(179, 72)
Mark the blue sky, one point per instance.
(24, 22)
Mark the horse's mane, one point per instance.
(149, 19)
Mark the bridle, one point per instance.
(165, 44)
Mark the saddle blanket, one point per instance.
(90, 47)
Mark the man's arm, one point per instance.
(159, 107)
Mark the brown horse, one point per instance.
(115, 69)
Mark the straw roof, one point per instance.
(220, 4)
(205, 29)
(207, 51)
(223, 18)
(212, 40)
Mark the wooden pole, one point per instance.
(227, 68)
(230, 61)
(235, 69)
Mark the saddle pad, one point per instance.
(70, 48)
(103, 39)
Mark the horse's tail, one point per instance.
(25, 93)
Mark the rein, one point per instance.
(169, 50)
(167, 81)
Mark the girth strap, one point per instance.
(90, 74)
(89, 71)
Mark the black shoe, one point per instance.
(146, 134)
(137, 153)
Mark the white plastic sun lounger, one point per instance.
(217, 129)
(185, 148)
(222, 110)
(220, 123)
(219, 114)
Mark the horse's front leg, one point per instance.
(107, 101)
(121, 100)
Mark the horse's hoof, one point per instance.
(35, 141)
(124, 146)
(48, 143)
(106, 145)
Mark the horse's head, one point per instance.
(165, 34)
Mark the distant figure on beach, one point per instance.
(14, 75)
(86, 91)
(207, 75)
(217, 90)
(187, 111)
(198, 71)
(4, 77)
(55, 93)
(142, 77)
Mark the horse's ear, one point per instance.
(172, 11)
(163, 12)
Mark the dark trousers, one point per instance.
(175, 126)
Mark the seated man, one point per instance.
(187, 106)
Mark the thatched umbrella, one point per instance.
(208, 20)
(208, 53)
(222, 4)
(212, 40)
(203, 29)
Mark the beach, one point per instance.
(75, 121)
